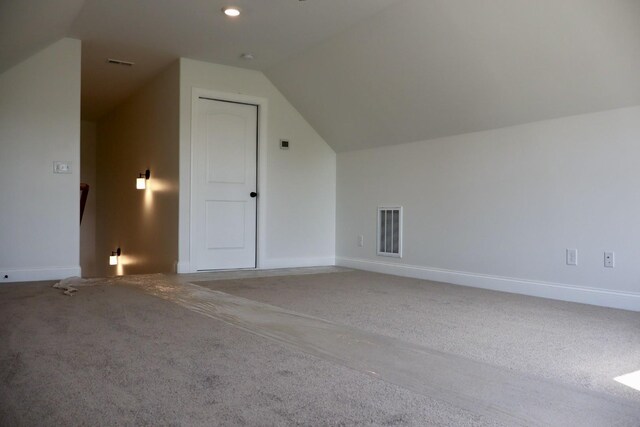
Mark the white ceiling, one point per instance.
(432, 68)
(153, 33)
(363, 73)
(27, 26)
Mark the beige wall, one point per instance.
(40, 124)
(296, 207)
(140, 134)
(297, 212)
(88, 176)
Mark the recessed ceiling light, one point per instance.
(231, 11)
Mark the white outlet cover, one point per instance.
(609, 259)
(61, 167)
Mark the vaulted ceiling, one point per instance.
(430, 68)
(364, 73)
(27, 26)
(153, 33)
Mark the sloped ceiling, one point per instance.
(154, 33)
(429, 68)
(26, 26)
(364, 73)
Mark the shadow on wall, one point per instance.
(88, 176)
(132, 263)
(140, 134)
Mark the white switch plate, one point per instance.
(360, 241)
(61, 167)
(609, 259)
(572, 257)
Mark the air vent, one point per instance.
(390, 231)
(120, 62)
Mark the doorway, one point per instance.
(224, 190)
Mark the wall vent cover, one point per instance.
(120, 62)
(390, 231)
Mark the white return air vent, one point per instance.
(390, 231)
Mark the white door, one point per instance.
(223, 186)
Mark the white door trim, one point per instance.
(263, 195)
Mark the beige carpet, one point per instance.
(577, 344)
(118, 356)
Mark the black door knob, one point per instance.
(253, 194)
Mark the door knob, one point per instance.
(253, 194)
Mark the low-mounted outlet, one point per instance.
(609, 259)
(572, 257)
(360, 241)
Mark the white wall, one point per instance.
(88, 175)
(497, 209)
(297, 186)
(40, 124)
(140, 134)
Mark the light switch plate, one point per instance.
(61, 167)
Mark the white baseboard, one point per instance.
(36, 274)
(296, 262)
(557, 291)
(183, 267)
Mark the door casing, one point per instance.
(262, 105)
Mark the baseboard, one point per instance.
(557, 291)
(183, 267)
(36, 274)
(296, 262)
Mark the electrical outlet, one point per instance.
(360, 241)
(572, 257)
(609, 259)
